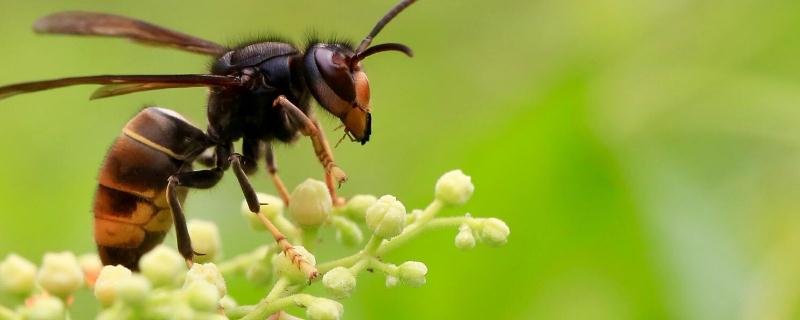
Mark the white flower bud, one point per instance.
(412, 273)
(17, 275)
(386, 218)
(134, 289)
(60, 274)
(454, 188)
(163, 266)
(348, 233)
(271, 207)
(206, 272)
(205, 240)
(105, 288)
(310, 203)
(324, 309)
(357, 206)
(494, 232)
(44, 308)
(391, 281)
(91, 265)
(340, 282)
(285, 267)
(203, 296)
(464, 239)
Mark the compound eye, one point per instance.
(335, 71)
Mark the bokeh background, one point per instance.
(644, 153)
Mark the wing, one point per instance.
(101, 24)
(123, 84)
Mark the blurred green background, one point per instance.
(644, 153)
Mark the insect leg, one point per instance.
(334, 176)
(296, 115)
(201, 179)
(272, 168)
(252, 202)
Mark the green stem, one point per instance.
(267, 308)
(342, 262)
(239, 312)
(413, 229)
(360, 266)
(384, 267)
(309, 238)
(277, 289)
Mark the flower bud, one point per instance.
(203, 296)
(260, 272)
(134, 289)
(494, 232)
(91, 265)
(206, 272)
(310, 203)
(340, 282)
(285, 267)
(227, 302)
(454, 188)
(60, 274)
(205, 240)
(105, 288)
(324, 309)
(464, 239)
(348, 233)
(163, 266)
(17, 275)
(44, 308)
(391, 281)
(357, 206)
(412, 273)
(386, 218)
(271, 207)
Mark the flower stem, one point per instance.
(342, 262)
(277, 289)
(266, 308)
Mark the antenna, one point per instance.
(379, 26)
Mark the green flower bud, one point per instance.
(260, 272)
(310, 203)
(386, 218)
(391, 281)
(17, 275)
(285, 267)
(357, 206)
(227, 302)
(324, 309)
(60, 274)
(163, 266)
(412, 273)
(203, 296)
(105, 288)
(454, 188)
(494, 232)
(134, 289)
(464, 239)
(340, 282)
(348, 233)
(206, 272)
(44, 308)
(272, 207)
(205, 240)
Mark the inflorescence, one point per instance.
(165, 289)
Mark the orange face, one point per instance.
(341, 87)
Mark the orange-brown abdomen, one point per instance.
(131, 214)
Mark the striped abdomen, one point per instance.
(131, 215)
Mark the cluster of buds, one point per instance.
(164, 288)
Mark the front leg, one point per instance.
(333, 174)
